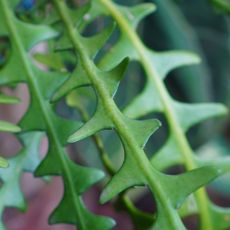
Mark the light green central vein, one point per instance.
(181, 140)
(44, 106)
(115, 115)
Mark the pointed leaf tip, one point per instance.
(94, 43)
(136, 13)
(87, 178)
(77, 79)
(200, 111)
(9, 99)
(9, 127)
(113, 77)
(3, 163)
(127, 176)
(182, 185)
(63, 214)
(98, 122)
(167, 61)
(142, 129)
(72, 139)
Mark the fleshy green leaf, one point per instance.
(61, 215)
(112, 77)
(142, 129)
(128, 176)
(168, 61)
(200, 112)
(34, 34)
(3, 163)
(187, 182)
(98, 122)
(144, 103)
(45, 86)
(4, 99)
(51, 60)
(169, 152)
(41, 116)
(136, 13)
(8, 127)
(77, 79)
(95, 43)
(25, 161)
(155, 98)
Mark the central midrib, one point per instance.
(165, 99)
(114, 114)
(45, 109)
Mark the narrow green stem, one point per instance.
(115, 115)
(44, 105)
(182, 142)
(98, 143)
(123, 197)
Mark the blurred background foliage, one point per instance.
(203, 27)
